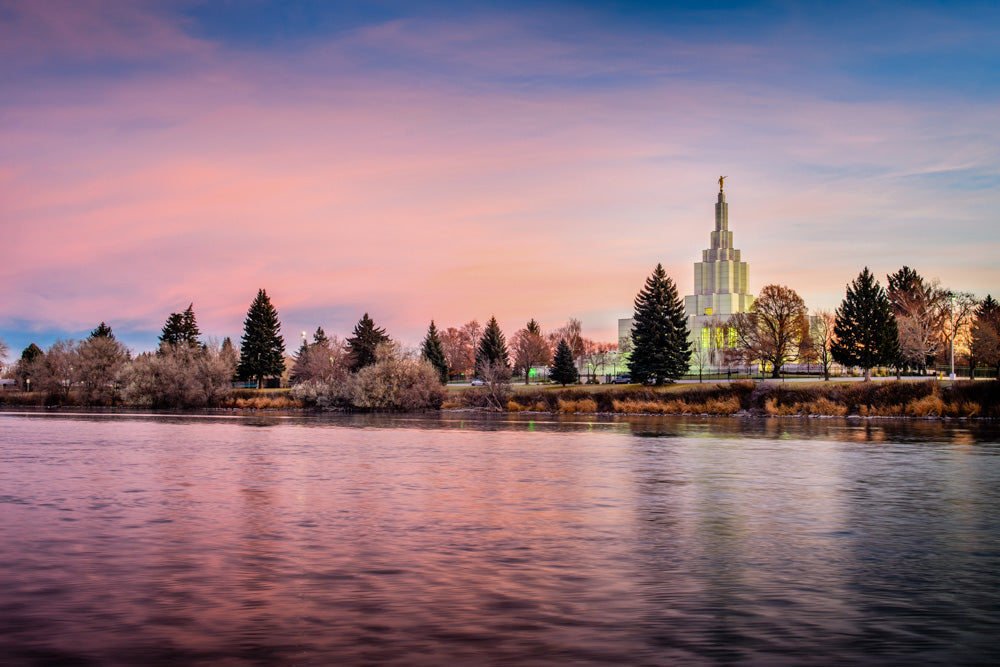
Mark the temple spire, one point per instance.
(721, 179)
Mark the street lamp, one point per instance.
(952, 376)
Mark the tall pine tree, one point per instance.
(262, 350)
(181, 329)
(102, 331)
(985, 348)
(563, 370)
(361, 346)
(865, 328)
(492, 348)
(661, 350)
(433, 352)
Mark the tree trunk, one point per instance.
(868, 375)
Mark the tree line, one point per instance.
(366, 370)
(908, 326)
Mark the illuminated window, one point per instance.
(720, 340)
(732, 337)
(704, 338)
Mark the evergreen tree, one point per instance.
(492, 347)
(563, 369)
(433, 351)
(189, 326)
(301, 362)
(661, 349)
(361, 346)
(865, 328)
(25, 368)
(31, 353)
(262, 351)
(172, 330)
(181, 328)
(229, 355)
(102, 331)
(320, 338)
(985, 347)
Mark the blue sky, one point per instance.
(421, 160)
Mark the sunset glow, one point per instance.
(518, 160)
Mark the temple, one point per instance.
(721, 279)
(721, 289)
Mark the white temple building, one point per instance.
(721, 289)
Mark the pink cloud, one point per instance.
(415, 200)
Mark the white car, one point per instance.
(477, 383)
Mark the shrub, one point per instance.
(395, 383)
(325, 394)
(178, 377)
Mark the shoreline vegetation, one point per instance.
(893, 398)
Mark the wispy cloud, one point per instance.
(421, 167)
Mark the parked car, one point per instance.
(477, 383)
(621, 379)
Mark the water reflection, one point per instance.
(422, 540)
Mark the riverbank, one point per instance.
(836, 399)
(909, 399)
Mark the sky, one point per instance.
(452, 161)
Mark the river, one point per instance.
(139, 539)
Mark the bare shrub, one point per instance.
(327, 394)
(496, 391)
(398, 383)
(180, 376)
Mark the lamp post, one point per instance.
(952, 376)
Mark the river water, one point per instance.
(213, 540)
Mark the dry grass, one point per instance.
(722, 406)
(776, 409)
(928, 406)
(262, 403)
(824, 406)
(581, 405)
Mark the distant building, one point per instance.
(721, 289)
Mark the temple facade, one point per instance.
(721, 289)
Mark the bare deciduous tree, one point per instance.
(460, 346)
(822, 339)
(530, 348)
(920, 307)
(100, 359)
(55, 372)
(774, 328)
(324, 359)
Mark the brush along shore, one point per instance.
(835, 399)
